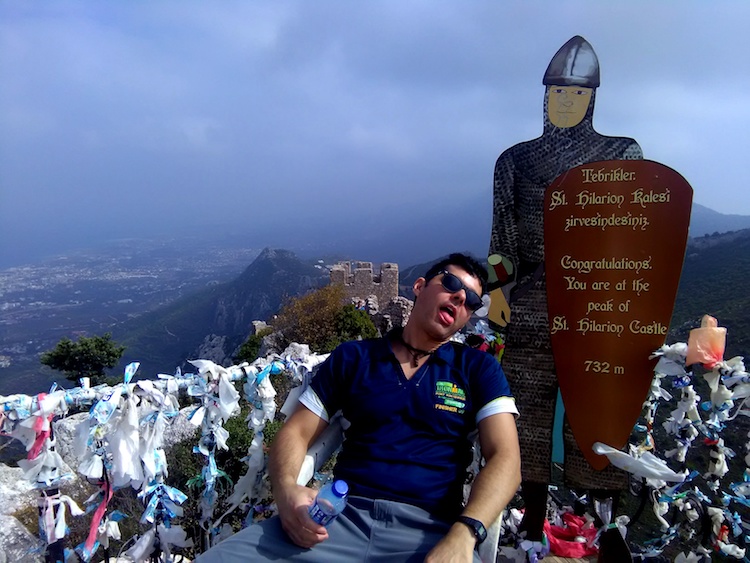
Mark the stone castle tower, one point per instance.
(359, 281)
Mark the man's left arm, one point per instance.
(491, 491)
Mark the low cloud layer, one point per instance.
(131, 118)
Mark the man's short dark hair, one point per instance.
(467, 263)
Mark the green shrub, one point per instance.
(353, 323)
(320, 320)
(248, 352)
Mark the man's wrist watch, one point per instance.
(480, 532)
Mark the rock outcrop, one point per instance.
(16, 543)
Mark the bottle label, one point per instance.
(320, 516)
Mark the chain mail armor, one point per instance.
(522, 174)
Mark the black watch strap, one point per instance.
(480, 532)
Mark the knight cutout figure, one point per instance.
(516, 255)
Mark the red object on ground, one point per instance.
(562, 539)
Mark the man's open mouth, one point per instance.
(449, 310)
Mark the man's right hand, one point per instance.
(293, 507)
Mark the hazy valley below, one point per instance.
(165, 298)
(90, 291)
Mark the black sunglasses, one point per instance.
(453, 284)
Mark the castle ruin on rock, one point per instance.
(360, 281)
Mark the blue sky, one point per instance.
(128, 118)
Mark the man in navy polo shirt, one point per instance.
(412, 399)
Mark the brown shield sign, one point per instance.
(614, 236)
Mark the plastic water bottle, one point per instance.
(329, 503)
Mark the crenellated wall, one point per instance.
(360, 281)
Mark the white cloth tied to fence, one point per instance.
(123, 437)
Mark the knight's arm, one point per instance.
(503, 254)
(504, 236)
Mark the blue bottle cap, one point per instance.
(340, 488)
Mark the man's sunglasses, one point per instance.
(452, 284)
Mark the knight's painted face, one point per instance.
(567, 105)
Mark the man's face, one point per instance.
(567, 105)
(441, 313)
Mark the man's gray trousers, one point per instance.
(369, 531)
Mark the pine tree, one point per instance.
(87, 357)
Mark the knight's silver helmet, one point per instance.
(574, 64)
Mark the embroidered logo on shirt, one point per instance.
(449, 397)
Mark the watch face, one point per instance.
(479, 530)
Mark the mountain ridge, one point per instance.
(714, 282)
(415, 240)
(715, 267)
(165, 338)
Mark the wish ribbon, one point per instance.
(42, 429)
(97, 517)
